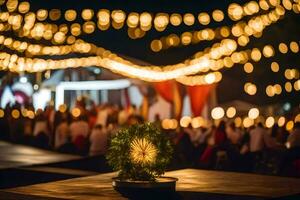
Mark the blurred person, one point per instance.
(98, 141)
(41, 124)
(79, 127)
(102, 115)
(62, 132)
(233, 134)
(256, 142)
(293, 140)
(220, 134)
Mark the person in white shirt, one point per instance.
(79, 127)
(98, 141)
(233, 134)
(260, 139)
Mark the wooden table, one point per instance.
(192, 184)
(15, 155)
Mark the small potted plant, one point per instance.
(141, 154)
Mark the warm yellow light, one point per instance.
(70, 15)
(24, 7)
(204, 18)
(89, 27)
(270, 91)
(42, 14)
(255, 54)
(75, 29)
(297, 85)
(281, 121)
(87, 14)
(224, 31)
(15, 113)
(185, 121)
(294, 47)
(268, 51)
(297, 118)
(247, 122)
(210, 78)
(161, 21)
(156, 45)
(253, 113)
(142, 151)
(277, 88)
(175, 19)
(1, 113)
(274, 67)
(217, 113)
(250, 88)
(270, 121)
(186, 38)
(197, 122)
(189, 19)
(11, 5)
(133, 20)
(288, 86)
(145, 19)
(248, 67)
(75, 112)
(218, 15)
(30, 114)
(230, 112)
(243, 40)
(235, 11)
(289, 125)
(264, 5)
(54, 14)
(118, 16)
(59, 37)
(283, 48)
(238, 122)
(287, 4)
(103, 17)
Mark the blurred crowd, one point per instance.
(87, 130)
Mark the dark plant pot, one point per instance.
(162, 187)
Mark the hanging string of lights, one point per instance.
(112, 61)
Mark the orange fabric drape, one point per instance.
(198, 96)
(165, 90)
(169, 91)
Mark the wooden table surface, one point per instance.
(194, 181)
(15, 155)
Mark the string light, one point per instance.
(217, 113)
(230, 112)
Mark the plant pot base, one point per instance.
(163, 186)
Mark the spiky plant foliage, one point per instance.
(140, 152)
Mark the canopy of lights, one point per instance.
(205, 67)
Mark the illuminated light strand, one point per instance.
(194, 37)
(119, 17)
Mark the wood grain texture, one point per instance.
(15, 155)
(190, 180)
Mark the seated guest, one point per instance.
(233, 134)
(41, 124)
(79, 127)
(98, 141)
(61, 133)
(79, 132)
